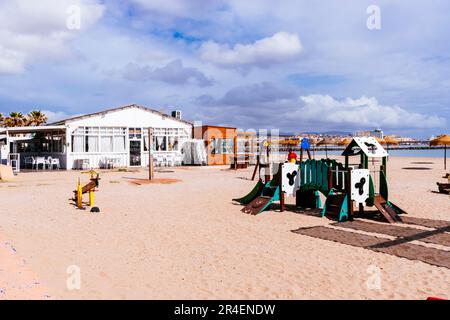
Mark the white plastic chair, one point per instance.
(170, 160)
(40, 160)
(29, 161)
(85, 164)
(178, 159)
(54, 162)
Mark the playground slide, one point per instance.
(261, 203)
(256, 191)
(387, 209)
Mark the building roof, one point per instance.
(32, 129)
(60, 122)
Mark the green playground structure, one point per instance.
(338, 182)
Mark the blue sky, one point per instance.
(292, 65)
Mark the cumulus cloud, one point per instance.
(33, 30)
(265, 52)
(266, 106)
(364, 112)
(173, 73)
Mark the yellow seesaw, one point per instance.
(88, 188)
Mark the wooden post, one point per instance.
(282, 193)
(301, 154)
(330, 178)
(235, 151)
(256, 167)
(309, 154)
(282, 201)
(150, 154)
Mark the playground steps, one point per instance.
(336, 206)
(386, 210)
(334, 203)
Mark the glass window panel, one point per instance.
(160, 143)
(92, 144)
(106, 143)
(119, 144)
(172, 144)
(77, 144)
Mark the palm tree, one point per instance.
(15, 119)
(36, 118)
(2, 120)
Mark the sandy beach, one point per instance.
(187, 240)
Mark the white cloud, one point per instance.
(276, 49)
(34, 30)
(362, 113)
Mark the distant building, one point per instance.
(377, 133)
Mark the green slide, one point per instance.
(256, 191)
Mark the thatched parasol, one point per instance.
(290, 142)
(443, 140)
(344, 142)
(326, 142)
(389, 141)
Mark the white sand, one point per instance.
(188, 241)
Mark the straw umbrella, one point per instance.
(443, 140)
(344, 142)
(389, 141)
(313, 141)
(380, 140)
(326, 142)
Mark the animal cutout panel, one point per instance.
(290, 178)
(360, 185)
(368, 145)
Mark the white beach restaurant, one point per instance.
(116, 137)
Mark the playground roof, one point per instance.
(367, 145)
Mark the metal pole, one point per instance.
(150, 154)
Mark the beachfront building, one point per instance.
(220, 143)
(112, 138)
